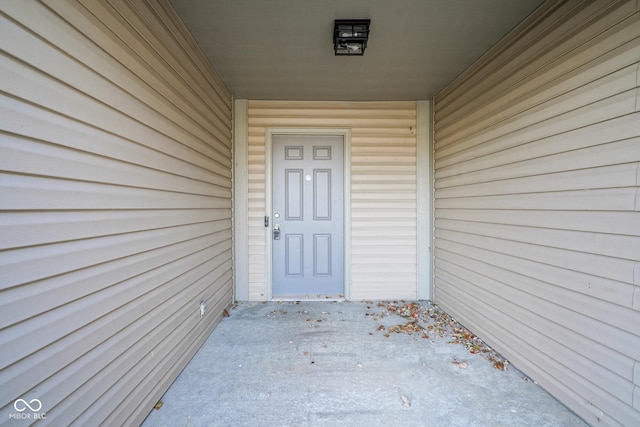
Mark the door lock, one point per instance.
(276, 232)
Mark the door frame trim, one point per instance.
(268, 156)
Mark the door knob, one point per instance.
(276, 232)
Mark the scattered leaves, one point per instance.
(430, 318)
(279, 312)
(406, 328)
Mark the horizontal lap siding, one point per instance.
(115, 206)
(537, 198)
(383, 189)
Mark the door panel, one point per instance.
(293, 194)
(308, 215)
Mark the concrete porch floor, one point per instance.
(332, 364)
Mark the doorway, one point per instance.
(307, 230)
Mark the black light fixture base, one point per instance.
(350, 36)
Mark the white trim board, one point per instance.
(240, 193)
(424, 184)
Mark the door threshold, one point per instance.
(314, 297)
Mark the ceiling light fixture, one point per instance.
(350, 36)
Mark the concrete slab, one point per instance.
(337, 364)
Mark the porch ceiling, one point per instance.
(283, 49)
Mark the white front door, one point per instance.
(308, 216)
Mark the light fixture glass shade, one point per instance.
(350, 36)
(350, 48)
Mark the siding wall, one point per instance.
(537, 176)
(383, 189)
(115, 206)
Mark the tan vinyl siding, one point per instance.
(383, 189)
(115, 206)
(537, 190)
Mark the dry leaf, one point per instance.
(225, 313)
(158, 405)
(405, 401)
